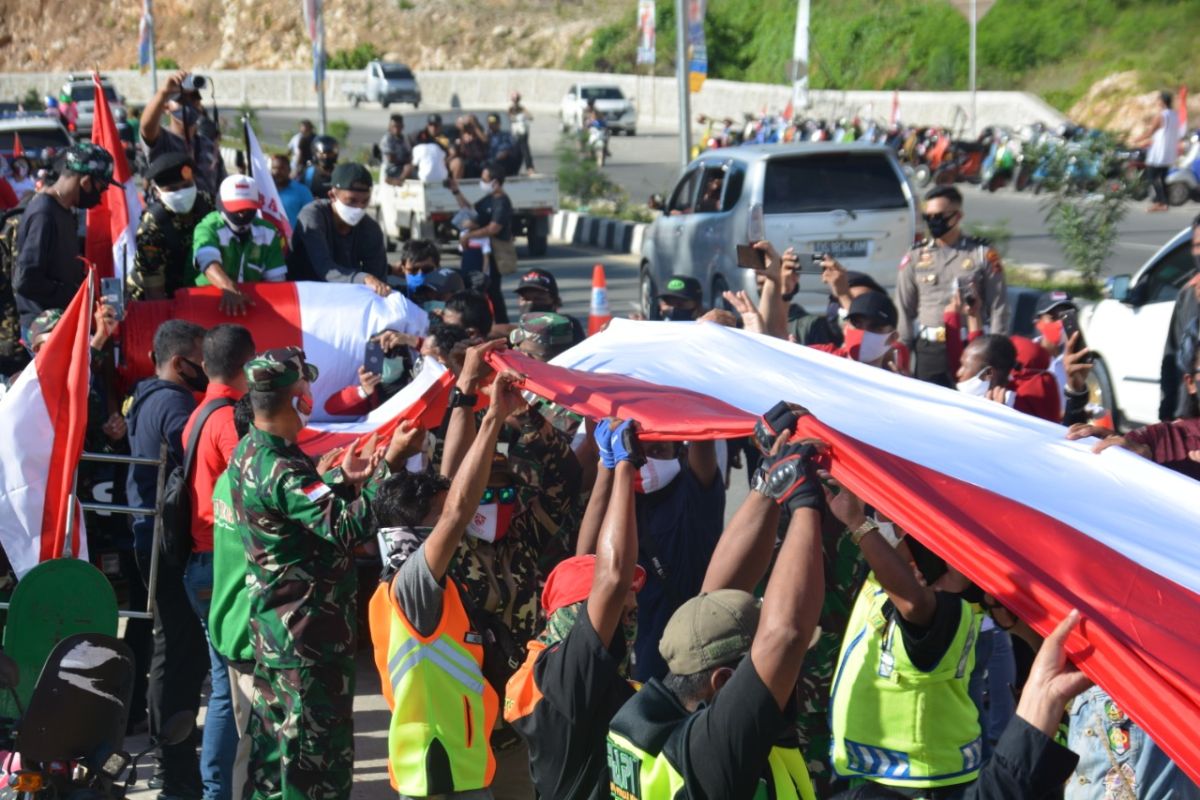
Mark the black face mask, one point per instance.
(89, 198)
(199, 381)
(679, 314)
(939, 224)
(187, 115)
(327, 163)
(531, 306)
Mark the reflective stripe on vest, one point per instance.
(893, 723)
(443, 710)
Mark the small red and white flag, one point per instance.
(1183, 113)
(112, 225)
(316, 490)
(18, 149)
(260, 172)
(42, 422)
(894, 119)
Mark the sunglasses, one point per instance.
(504, 494)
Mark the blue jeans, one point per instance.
(219, 745)
(991, 685)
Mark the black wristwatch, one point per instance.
(460, 400)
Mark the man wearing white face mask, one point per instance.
(870, 335)
(985, 368)
(336, 241)
(164, 237)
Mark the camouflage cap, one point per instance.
(43, 323)
(545, 329)
(278, 369)
(88, 158)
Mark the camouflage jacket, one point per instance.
(164, 251)
(299, 532)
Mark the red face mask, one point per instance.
(1051, 331)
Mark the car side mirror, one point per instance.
(1118, 288)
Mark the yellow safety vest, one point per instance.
(892, 723)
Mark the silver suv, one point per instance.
(849, 200)
(83, 92)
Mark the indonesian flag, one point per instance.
(332, 322)
(260, 171)
(18, 149)
(1183, 114)
(1039, 522)
(112, 225)
(42, 422)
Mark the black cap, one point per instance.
(444, 281)
(684, 287)
(538, 279)
(168, 168)
(1049, 301)
(433, 119)
(854, 279)
(874, 307)
(351, 176)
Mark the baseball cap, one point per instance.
(860, 279)
(433, 119)
(571, 582)
(709, 630)
(550, 333)
(170, 168)
(354, 177)
(239, 193)
(683, 287)
(873, 307)
(1052, 300)
(538, 279)
(444, 281)
(278, 369)
(87, 158)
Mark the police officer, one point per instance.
(164, 235)
(300, 533)
(931, 273)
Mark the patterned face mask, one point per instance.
(561, 621)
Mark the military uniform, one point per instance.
(926, 286)
(13, 357)
(544, 335)
(299, 531)
(164, 249)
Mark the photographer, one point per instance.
(180, 98)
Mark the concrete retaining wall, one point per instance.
(656, 98)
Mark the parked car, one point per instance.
(83, 93)
(850, 200)
(618, 111)
(1127, 332)
(385, 82)
(37, 132)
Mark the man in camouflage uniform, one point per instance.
(299, 531)
(164, 235)
(931, 274)
(13, 357)
(543, 335)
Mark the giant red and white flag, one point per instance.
(42, 422)
(112, 225)
(1039, 522)
(260, 171)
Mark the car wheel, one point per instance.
(1178, 193)
(385, 103)
(536, 245)
(1102, 400)
(647, 292)
(719, 287)
(921, 175)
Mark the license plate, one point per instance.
(843, 248)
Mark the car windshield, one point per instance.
(601, 93)
(35, 139)
(830, 181)
(85, 93)
(397, 73)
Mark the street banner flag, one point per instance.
(646, 32)
(145, 28)
(1183, 114)
(112, 225)
(260, 171)
(697, 49)
(1039, 522)
(42, 422)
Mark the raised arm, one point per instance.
(460, 432)
(771, 306)
(617, 552)
(151, 122)
(593, 515)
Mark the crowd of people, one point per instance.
(556, 605)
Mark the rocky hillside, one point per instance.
(269, 34)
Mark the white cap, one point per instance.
(239, 193)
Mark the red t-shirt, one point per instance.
(1170, 443)
(213, 450)
(8, 198)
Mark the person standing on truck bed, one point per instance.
(397, 155)
(493, 220)
(336, 241)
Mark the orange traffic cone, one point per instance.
(599, 315)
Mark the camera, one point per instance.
(193, 83)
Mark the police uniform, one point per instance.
(926, 286)
(299, 530)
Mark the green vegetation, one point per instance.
(339, 129)
(357, 58)
(1056, 48)
(586, 188)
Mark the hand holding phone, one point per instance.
(373, 357)
(1070, 324)
(750, 258)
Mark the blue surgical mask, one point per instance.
(415, 281)
(433, 305)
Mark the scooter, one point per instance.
(1183, 181)
(597, 143)
(999, 163)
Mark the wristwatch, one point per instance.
(856, 535)
(459, 399)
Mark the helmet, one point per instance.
(325, 144)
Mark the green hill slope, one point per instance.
(1057, 48)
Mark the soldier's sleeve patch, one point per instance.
(316, 490)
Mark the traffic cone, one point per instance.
(599, 315)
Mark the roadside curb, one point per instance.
(618, 236)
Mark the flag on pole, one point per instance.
(646, 32)
(18, 150)
(112, 225)
(895, 117)
(260, 171)
(42, 422)
(697, 48)
(1183, 115)
(315, 25)
(145, 28)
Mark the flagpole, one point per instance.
(681, 74)
(319, 63)
(153, 58)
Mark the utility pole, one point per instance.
(681, 75)
(319, 63)
(799, 75)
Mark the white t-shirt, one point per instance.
(1164, 147)
(430, 159)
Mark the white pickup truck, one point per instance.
(424, 210)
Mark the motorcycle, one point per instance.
(68, 741)
(597, 144)
(1183, 181)
(1000, 162)
(1130, 171)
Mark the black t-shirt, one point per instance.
(499, 210)
(581, 691)
(46, 271)
(926, 646)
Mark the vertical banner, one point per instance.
(145, 47)
(646, 32)
(697, 50)
(260, 172)
(315, 26)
